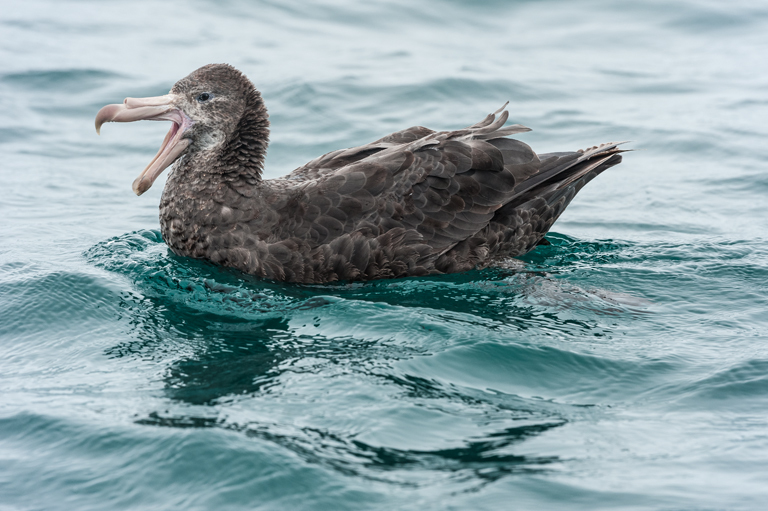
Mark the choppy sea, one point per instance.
(625, 366)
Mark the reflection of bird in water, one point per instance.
(416, 202)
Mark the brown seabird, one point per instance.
(416, 202)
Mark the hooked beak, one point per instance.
(159, 108)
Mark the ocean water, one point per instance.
(625, 366)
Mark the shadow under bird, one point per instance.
(416, 202)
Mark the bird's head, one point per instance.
(215, 110)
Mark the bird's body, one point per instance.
(416, 202)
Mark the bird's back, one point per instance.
(416, 202)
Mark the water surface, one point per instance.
(623, 366)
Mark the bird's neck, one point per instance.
(245, 149)
(199, 201)
(205, 188)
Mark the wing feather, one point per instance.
(419, 201)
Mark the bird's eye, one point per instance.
(205, 96)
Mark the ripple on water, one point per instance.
(33, 299)
(382, 356)
(744, 386)
(473, 365)
(126, 467)
(157, 273)
(60, 81)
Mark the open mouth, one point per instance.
(151, 109)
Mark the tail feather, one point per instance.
(564, 174)
(558, 166)
(520, 224)
(582, 176)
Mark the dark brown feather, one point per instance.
(415, 202)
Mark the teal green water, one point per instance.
(625, 366)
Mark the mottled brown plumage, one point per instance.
(416, 202)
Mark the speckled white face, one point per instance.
(215, 101)
(210, 140)
(211, 112)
